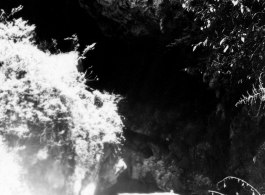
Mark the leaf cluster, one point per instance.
(233, 32)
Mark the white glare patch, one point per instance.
(98, 157)
(120, 166)
(89, 189)
(43, 154)
(11, 182)
(235, 2)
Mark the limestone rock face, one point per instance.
(132, 18)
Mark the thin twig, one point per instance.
(211, 191)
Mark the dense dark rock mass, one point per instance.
(137, 57)
(179, 124)
(166, 110)
(132, 18)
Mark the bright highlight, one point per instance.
(89, 189)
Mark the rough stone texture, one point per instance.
(131, 17)
(179, 128)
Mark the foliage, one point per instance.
(256, 98)
(233, 33)
(44, 101)
(15, 30)
(244, 185)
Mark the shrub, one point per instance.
(45, 104)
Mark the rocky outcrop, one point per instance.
(133, 18)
